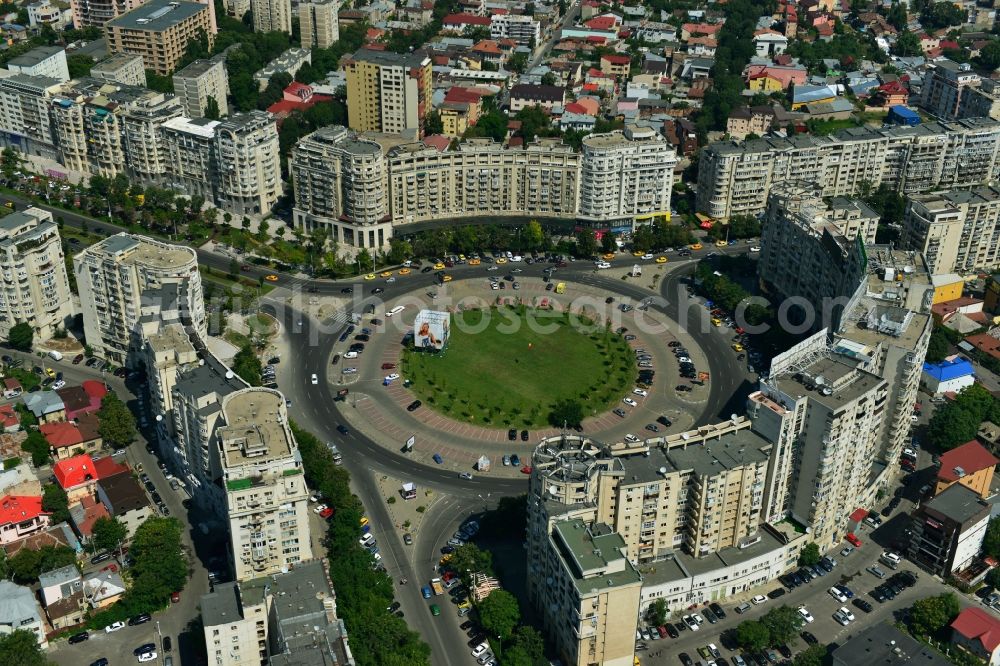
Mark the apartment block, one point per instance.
(200, 80)
(190, 145)
(266, 492)
(248, 180)
(271, 15)
(625, 176)
(47, 61)
(824, 416)
(524, 30)
(124, 68)
(948, 530)
(735, 178)
(35, 288)
(95, 13)
(945, 86)
(340, 182)
(44, 13)
(25, 114)
(123, 275)
(318, 23)
(680, 499)
(388, 92)
(282, 619)
(955, 230)
(289, 62)
(159, 31)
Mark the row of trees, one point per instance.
(726, 293)
(661, 235)
(957, 421)
(777, 627)
(363, 592)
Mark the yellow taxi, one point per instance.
(370, 276)
(445, 560)
(501, 260)
(661, 260)
(461, 257)
(386, 274)
(50, 372)
(474, 262)
(695, 246)
(446, 278)
(737, 347)
(638, 253)
(404, 271)
(608, 257)
(271, 278)
(716, 321)
(721, 243)
(438, 266)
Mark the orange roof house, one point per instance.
(978, 632)
(21, 516)
(969, 464)
(77, 476)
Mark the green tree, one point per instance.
(518, 62)
(79, 65)
(811, 656)
(212, 111)
(752, 635)
(27, 564)
(533, 236)
(433, 124)
(468, 559)
(782, 624)
(809, 554)
(586, 245)
(897, 17)
(365, 261)
(399, 251)
(566, 413)
(549, 79)
(108, 534)
(930, 615)
(907, 44)
(989, 55)
(21, 336)
(159, 567)
(991, 541)
(247, 365)
(941, 15)
(608, 242)
(21, 647)
(55, 501)
(117, 424)
(499, 614)
(656, 613)
(952, 425)
(937, 347)
(38, 447)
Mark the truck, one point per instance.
(436, 586)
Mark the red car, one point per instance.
(388, 366)
(175, 597)
(526, 469)
(111, 567)
(77, 359)
(326, 513)
(855, 541)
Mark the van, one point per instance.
(54, 355)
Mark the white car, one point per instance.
(113, 627)
(846, 612)
(479, 649)
(631, 439)
(690, 622)
(390, 280)
(806, 615)
(58, 384)
(392, 377)
(841, 620)
(647, 256)
(349, 371)
(314, 380)
(603, 264)
(494, 286)
(639, 391)
(630, 402)
(493, 267)
(319, 508)
(759, 599)
(755, 249)
(697, 618)
(147, 656)
(517, 257)
(351, 354)
(838, 595)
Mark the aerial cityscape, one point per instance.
(500, 332)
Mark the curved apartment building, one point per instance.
(341, 178)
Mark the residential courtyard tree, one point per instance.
(117, 425)
(108, 534)
(752, 635)
(21, 336)
(930, 615)
(499, 614)
(809, 555)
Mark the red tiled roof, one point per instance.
(95, 389)
(92, 510)
(971, 457)
(61, 435)
(986, 343)
(859, 515)
(74, 471)
(8, 417)
(601, 23)
(596, 39)
(976, 624)
(437, 141)
(107, 466)
(701, 28)
(295, 87)
(17, 508)
(462, 94)
(616, 59)
(465, 19)
(11, 383)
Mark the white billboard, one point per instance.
(431, 329)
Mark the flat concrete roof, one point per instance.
(255, 428)
(597, 548)
(128, 248)
(157, 15)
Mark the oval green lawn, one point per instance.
(509, 374)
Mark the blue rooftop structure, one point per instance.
(901, 115)
(948, 370)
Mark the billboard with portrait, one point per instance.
(431, 329)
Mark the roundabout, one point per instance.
(520, 366)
